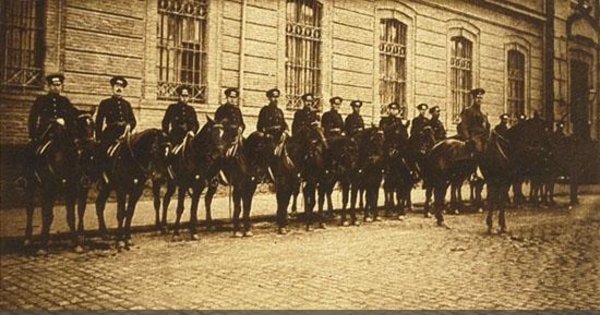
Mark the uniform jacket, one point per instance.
(439, 132)
(303, 117)
(394, 130)
(179, 119)
(116, 113)
(271, 116)
(501, 129)
(47, 108)
(354, 122)
(332, 123)
(418, 123)
(232, 114)
(474, 122)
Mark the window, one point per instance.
(461, 80)
(181, 48)
(516, 83)
(392, 63)
(303, 51)
(21, 36)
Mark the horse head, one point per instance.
(258, 150)
(84, 126)
(151, 149)
(209, 140)
(342, 155)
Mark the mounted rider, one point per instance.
(307, 115)
(180, 121)
(272, 121)
(474, 126)
(354, 122)
(331, 121)
(439, 132)
(230, 115)
(394, 128)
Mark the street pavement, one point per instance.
(549, 260)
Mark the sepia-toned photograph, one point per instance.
(299, 155)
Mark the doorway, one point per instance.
(579, 98)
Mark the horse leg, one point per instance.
(309, 193)
(121, 214)
(501, 215)
(166, 201)
(492, 200)
(30, 207)
(439, 192)
(208, 198)
(321, 197)
(194, 212)
(328, 193)
(70, 207)
(100, 206)
(47, 218)
(400, 199)
(428, 195)
(134, 197)
(237, 209)
(295, 193)
(283, 195)
(156, 202)
(81, 205)
(180, 205)
(247, 204)
(345, 193)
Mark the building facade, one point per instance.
(529, 56)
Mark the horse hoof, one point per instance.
(283, 231)
(248, 234)
(377, 219)
(120, 245)
(444, 225)
(368, 219)
(195, 237)
(401, 217)
(322, 226)
(42, 252)
(309, 228)
(427, 215)
(456, 212)
(502, 231)
(345, 223)
(129, 243)
(78, 249)
(237, 234)
(356, 223)
(176, 238)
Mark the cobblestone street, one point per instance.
(549, 260)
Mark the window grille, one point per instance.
(392, 63)
(461, 82)
(181, 48)
(303, 51)
(516, 83)
(21, 38)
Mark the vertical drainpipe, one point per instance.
(549, 63)
(242, 51)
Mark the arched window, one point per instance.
(303, 50)
(181, 48)
(392, 62)
(461, 80)
(516, 83)
(22, 42)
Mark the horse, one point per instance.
(400, 175)
(298, 158)
(341, 161)
(134, 160)
(57, 172)
(367, 175)
(419, 147)
(191, 169)
(244, 171)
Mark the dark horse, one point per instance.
(56, 171)
(300, 157)
(244, 171)
(341, 163)
(191, 169)
(367, 175)
(133, 163)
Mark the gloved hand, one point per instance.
(60, 121)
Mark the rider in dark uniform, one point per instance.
(46, 110)
(420, 122)
(116, 112)
(474, 125)
(307, 115)
(393, 127)
(331, 121)
(439, 132)
(502, 127)
(180, 120)
(230, 115)
(271, 119)
(354, 122)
